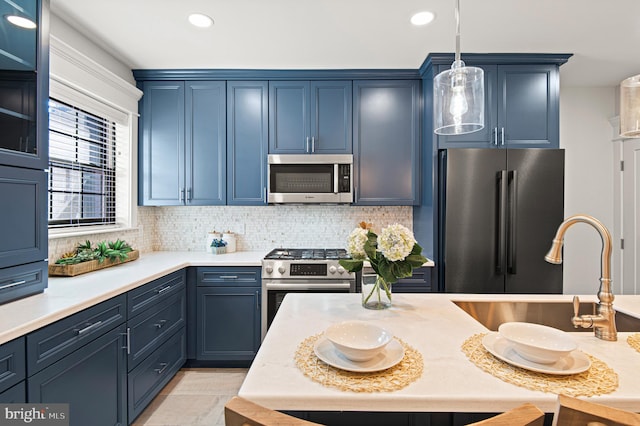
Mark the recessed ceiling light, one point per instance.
(21, 21)
(422, 18)
(200, 20)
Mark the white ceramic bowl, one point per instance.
(358, 340)
(537, 343)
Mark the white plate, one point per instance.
(390, 356)
(575, 362)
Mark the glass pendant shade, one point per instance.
(458, 100)
(630, 107)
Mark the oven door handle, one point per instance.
(305, 285)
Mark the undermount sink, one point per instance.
(553, 314)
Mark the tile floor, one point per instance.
(194, 397)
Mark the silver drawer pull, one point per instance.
(89, 328)
(229, 277)
(163, 366)
(12, 284)
(163, 289)
(160, 324)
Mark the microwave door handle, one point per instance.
(335, 178)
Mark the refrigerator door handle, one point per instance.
(513, 222)
(501, 180)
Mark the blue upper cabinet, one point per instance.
(386, 141)
(24, 85)
(182, 143)
(247, 142)
(521, 103)
(307, 117)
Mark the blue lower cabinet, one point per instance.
(12, 363)
(14, 395)
(92, 380)
(155, 371)
(228, 323)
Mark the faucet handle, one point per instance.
(576, 308)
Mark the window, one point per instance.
(87, 164)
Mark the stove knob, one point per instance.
(340, 270)
(282, 269)
(332, 269)
(268, 269)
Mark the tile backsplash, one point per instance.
(263, 228)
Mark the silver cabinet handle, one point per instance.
(160, 324)
(127, 343)
(181, 195)
(163, 289)
(89, 328)
(306, 149)
(189, 195)
(502, 136)
(264, 195)
(12, 284)
(163, 366)
(313, 144)
(495, 136)
(257, 300)
(229, 277)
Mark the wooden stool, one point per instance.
(524, 415)
(574, 411)
(241, 412)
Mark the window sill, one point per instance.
(93, 230)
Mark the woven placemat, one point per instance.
(599, 379)
(397, 377)
(634, 341)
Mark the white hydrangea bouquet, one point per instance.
(392, 255)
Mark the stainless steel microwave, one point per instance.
(310, 178)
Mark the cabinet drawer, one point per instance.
(149, 329)
(12, 363)
(240, 276)
(21, 281)
(146, 380)
(14, 395)
(53, 342)
(147, 295)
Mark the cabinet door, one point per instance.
(162, 144)
(92, 380)
(23, 216)
(331, 117)
(24, 85)
(206, 141)
(488, 137)
(247, 142)
(387, 142)
(528, 106)
(289, 131)
(228, 323)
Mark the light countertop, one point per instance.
(68, 295)
(436, 327)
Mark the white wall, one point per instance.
(585, 134)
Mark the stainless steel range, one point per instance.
(301, 271)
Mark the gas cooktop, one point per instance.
(307, 254)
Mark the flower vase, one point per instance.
(376, 292)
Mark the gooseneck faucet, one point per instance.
(604, 322)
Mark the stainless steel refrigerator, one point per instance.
(498, 212)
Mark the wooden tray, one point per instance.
(92, 265)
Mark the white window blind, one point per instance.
(88, 167)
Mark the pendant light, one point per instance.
(458, 95)
(630, 107)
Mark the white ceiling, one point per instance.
(603, 35)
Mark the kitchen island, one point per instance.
(434, 326)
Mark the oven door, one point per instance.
(275, 290)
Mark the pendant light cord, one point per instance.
(457, 57)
